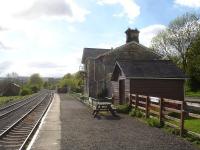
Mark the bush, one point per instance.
(153, 122)
(172, 130)
(123, 108)
(136, 113)
(35, 89)
(25, 91)
(132, 113)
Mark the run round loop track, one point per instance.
(19, 120)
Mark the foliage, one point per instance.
(172, 130)
(192, 94)
(136, 113)
(123, 108)
(51, 84)
(132, 113)
(193, 139)
(34, 88)
(153, 122)
(73, 81)
(25, 91)
(173, 42)
(35, 82)
(193, 69)
(8, 99)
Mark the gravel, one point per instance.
(80, 131)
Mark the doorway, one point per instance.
(121, 91)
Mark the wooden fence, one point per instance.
(163, 109)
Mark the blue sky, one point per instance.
(48, 36)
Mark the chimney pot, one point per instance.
(132, 35)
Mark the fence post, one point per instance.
(160, 111)
(182, 118)
(147, 107)
(130, 100)
(136, 101)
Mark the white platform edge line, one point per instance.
(38, 130)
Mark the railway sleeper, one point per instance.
(11, 142)
(22, 128)
(13, 136)
(18, 133)
(13, 139)
(11, 146)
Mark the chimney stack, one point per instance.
(132, 35)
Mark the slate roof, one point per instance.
(143, 51)
(92, 53)
(149, 69)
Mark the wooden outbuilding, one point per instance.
(157, 78)
(11, 89)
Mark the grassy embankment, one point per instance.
(8, 99)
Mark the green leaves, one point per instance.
(173, 42)
(193, 69)
(74, 81)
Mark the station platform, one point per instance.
(70, 125)
(48, 136)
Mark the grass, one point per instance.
(192, 94)
(193, 124)
(123, 108)
(7, 99)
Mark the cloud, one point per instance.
(4, 66)
(130, 8)
(147, 33)
(57, 9)
(45, 65)
(109, 45)
(188, 3)
(3, 47)
(1, 28)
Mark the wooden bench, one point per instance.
(103, 106)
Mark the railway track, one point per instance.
(14, 106)
(16, 135)
(12, 114)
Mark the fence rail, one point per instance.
(163, 108)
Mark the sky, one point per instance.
(48, 36)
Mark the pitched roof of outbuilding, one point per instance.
(149, 69)
(92, 53)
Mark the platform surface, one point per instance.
(69, 125)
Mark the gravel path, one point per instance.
(80, 131)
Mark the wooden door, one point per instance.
(121, 91)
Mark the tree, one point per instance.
(193, 69)
(72, 81)
(173, 42)
(35, 82)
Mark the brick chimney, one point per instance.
(132, 35)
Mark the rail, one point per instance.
(13, 107)
(21, 130)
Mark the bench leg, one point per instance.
(96, 112)
(93, 112)
(112, 112)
